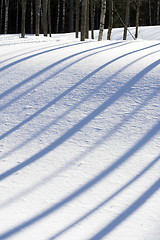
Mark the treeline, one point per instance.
(57, 16)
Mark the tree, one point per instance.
(110, 20)
(45, 22)
(37, 23)
(102, 19)
(6, 16)
(137, 17)
(83, 19)
(23, 17)
(77, 17)
(127, 15)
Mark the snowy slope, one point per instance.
(79, 137)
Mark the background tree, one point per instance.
(110, 20)
(102, 19)
(23, 18)
(127, 15)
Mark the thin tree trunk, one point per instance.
(77, 17)
(37, 27)
(6, 16)
(63, 15)
(150, 13)
(92, 10)
(23, 19)
(31, 30)
(83, 19)
(127, 15)
(158, 11)
(87, 20)
(17, 16)
(137, 18)
(102, 20)
(58, 15)
(71, 28)
(1, 18)
(110, 21)
(45, 24)
(49, 18)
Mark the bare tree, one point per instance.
(6, 16)
(158, 11)
(83, 19)
(137, 17)
(45, 22)
(102, 20)
(63, 14)
(1, 18)
(23, 17)
(110, 20)
(37, 17)
(92, 10)
(127, 15)
(77, 17)
(71, 16)
(58, 16)
(49, 18)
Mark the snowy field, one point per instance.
(79, 137)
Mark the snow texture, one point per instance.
(80, 139)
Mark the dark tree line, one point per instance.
(56, 16)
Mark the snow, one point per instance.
(79, 131)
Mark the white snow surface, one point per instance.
(80, 139)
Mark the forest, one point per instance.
(63, 16)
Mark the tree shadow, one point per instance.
(87, 151)
(38, 54)
(124, 89)
(129, 211)
(52, 102)
(141, 200)
(115, 194)
(20, 84)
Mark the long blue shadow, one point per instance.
(74, 107)
(125, 89)
(56, 73)
(150, 134)
(35, 55)
(62, 95)
(85, 153)
(129, 211)
(5, 93)
(89, 213)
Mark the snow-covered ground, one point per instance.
(80, 139)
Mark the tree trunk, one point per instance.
(6, 16)
(23, 19)
(71, 16)
(17, 16)
(150, 13)
(31, 30)
(92, 10)
(38, 7)
(83, 19)
(102, 20)
(63, 15)
(58, 15)
(45, 23)
(137, 18)
(127, 15)
(77, 17)
(158, 12)
(110, 21)
(1, 18)
(87, 20)
(49, 18)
